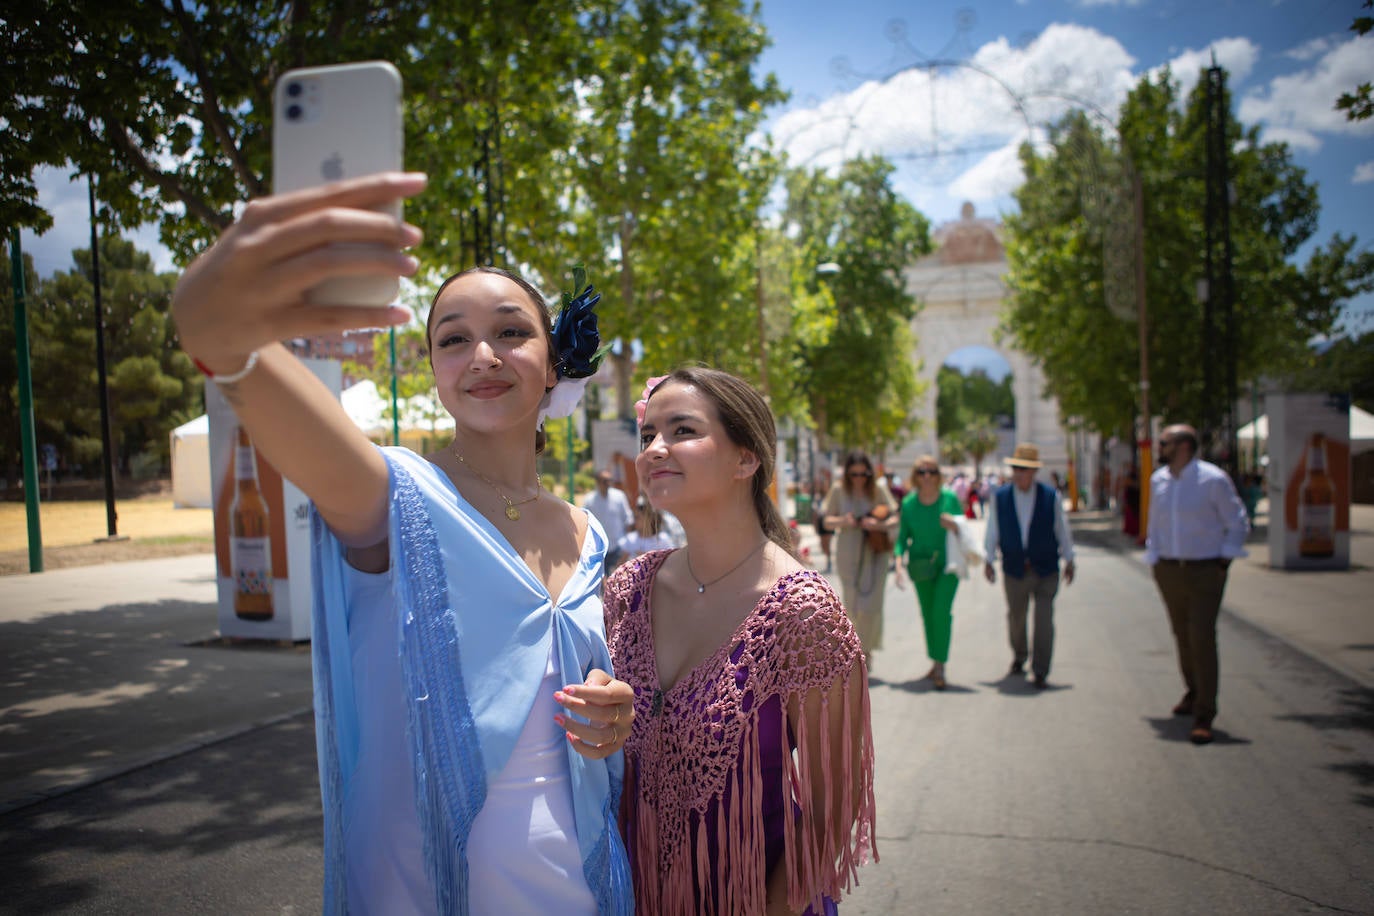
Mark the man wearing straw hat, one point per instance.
(1026, 524)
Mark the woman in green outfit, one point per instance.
(928, 511)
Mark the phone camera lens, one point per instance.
(294, 112)
(294, 89)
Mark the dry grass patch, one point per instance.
(71, 532)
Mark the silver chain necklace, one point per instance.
(701, 586)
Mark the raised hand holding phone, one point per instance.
(250, 288)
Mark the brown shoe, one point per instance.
(1185, 706)
(1201, 733)
(939, 681)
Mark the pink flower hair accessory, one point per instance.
(643, 401)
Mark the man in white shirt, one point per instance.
(1197, 527)
(1027, 526)
(612, 509)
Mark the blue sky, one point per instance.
(954, 137)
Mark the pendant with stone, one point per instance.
(512, 513)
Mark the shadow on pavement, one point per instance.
(193, 825)
(86, 693)
(1016, 685)
(1355, 712)
(1176, 728)
(918, 685)
(1363, 773)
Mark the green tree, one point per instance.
(664, 185)
(169, 105)
(10, 436)
(976, 440)
(153, 387)
(553, 132)
(1068, 252)
(859, 379)
(1347, 365)
(1359, 105)
(963, 398)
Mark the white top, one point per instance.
(1024, 504)
(634, 544)
(673, 528)
(612, 511)
(522, 851)
(1195, 516)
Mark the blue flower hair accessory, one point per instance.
(578, 349)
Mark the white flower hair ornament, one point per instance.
(577, 349)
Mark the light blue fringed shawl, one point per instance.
(474, 630)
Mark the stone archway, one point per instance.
(961, 287)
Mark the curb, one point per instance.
(10, 806)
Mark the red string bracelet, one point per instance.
(222, 379)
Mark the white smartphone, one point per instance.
(330, 123)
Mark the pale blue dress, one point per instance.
(430, 683)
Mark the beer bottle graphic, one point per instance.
(250, 546)
(1317, 504)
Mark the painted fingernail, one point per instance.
(571, 690)
(562, 722)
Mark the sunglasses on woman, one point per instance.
(927, 472)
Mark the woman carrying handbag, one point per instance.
(857, 507)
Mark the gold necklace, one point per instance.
(512, 512)
(701, 586)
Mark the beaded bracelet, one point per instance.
(220, 379)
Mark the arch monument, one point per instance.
(961, 287)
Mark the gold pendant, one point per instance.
(512, 513)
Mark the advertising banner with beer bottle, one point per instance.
(1309, 480)
(262, 529)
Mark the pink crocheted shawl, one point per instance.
(696, 749)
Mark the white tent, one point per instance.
(191, 464)
(191, 442)
(370, 409)
(1361, 430)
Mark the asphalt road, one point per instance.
(993, 797)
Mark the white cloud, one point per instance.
(1299, 107)
(1298, 139)
(1364, 173)
(955, 130)
(1313, 47)
(995, 175)
(69, 203)
(1236, 55)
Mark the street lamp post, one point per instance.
(27, 438)
(107, 450)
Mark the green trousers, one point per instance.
(936, 597)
